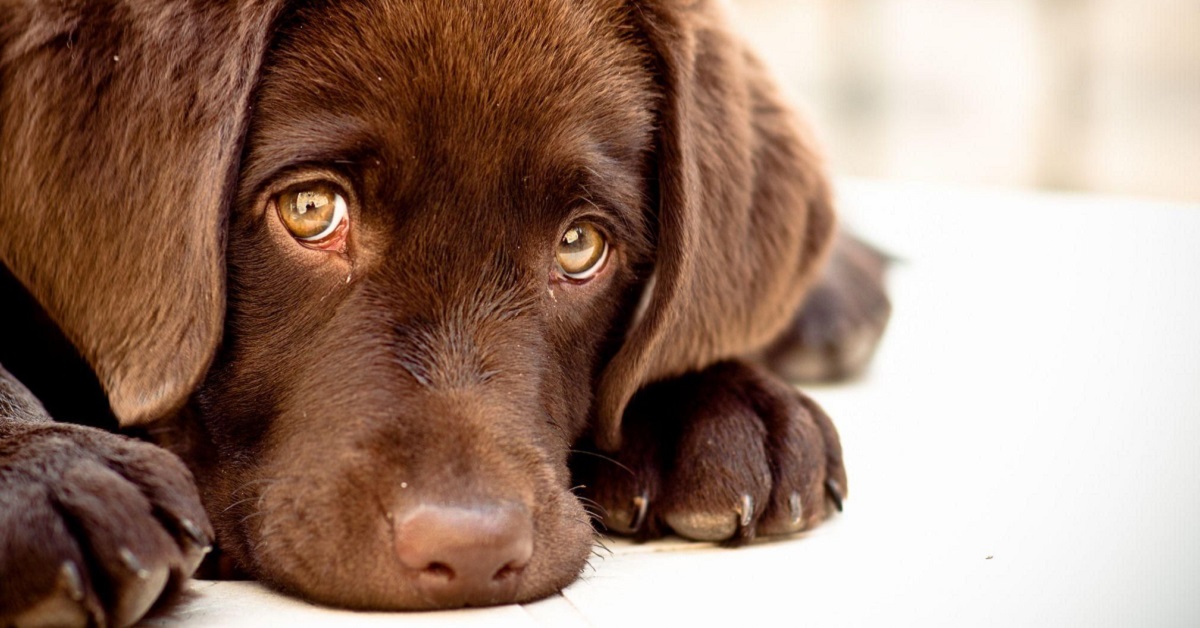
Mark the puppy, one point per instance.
(413, 290)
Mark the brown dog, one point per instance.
(398, 281)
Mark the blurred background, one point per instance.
(1078, 95)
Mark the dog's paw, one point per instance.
(836, 332)
(94, 526)
(727, 454)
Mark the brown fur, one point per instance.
(320, 399)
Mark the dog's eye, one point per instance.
(311, 213)
(582, 251)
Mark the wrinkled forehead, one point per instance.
(470, 88)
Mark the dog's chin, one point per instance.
(318, 545)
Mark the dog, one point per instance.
(393, 301)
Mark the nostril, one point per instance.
(509, 571)
(439, 571)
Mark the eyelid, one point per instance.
(298, 178)
(607, 221)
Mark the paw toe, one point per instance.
(704, 526)
(65, 605)
(786, 518)
(630, 517)
(714, 525)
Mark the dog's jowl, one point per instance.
(393, 304)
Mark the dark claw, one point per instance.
(640, 504)
(746, 510)
(195, 534)
(134, 565)
(195, 544)
(796, 508)
(835, 493)
(70, 581)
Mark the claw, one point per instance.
(134, 565)
(195, 545)
(195, 534)
(131, 599)
(835, 493)
(796, 508)
(746, 510)
(70, 581)
(640, 504)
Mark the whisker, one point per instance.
(257, 513)
(602, 457)
(240, 502)
(254, 483)
(587, 501)
(599, 542)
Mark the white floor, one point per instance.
(1026, 451)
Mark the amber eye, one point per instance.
(311, 213)
(582, 251)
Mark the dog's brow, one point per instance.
(614, 189)
(322, 138)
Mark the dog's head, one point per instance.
(385, 263)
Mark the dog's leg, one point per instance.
(725, 454)
(93, 526)
(836, 331)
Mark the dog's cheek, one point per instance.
(587, 325)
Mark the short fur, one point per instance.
(321, 401)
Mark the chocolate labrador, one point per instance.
(402, 296)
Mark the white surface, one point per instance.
(1037, 401)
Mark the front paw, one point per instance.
(726, 454)
(94, 527)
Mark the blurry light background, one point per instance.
(1081, 95)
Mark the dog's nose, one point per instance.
(465, 555)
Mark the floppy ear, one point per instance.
(745, 217)
(121, 125)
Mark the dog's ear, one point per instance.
(744, 211)
(121, 126)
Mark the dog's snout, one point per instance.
(465, 555)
